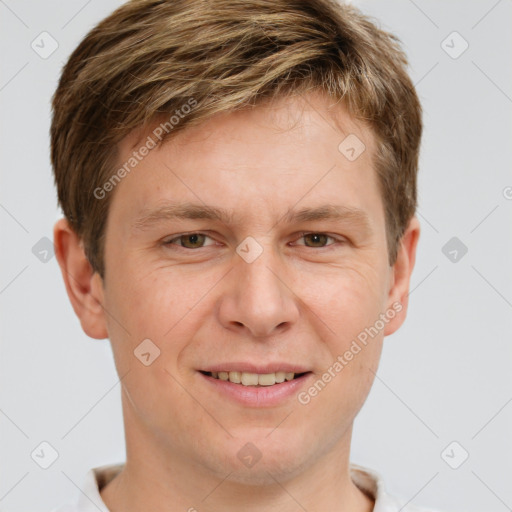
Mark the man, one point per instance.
(238, 180)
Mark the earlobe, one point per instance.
(398, 298)
(84, 287)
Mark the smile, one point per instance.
(254, 379)
(251, 389)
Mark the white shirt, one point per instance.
(369, 481)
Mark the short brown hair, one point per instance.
(149, 57)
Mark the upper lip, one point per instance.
(255, 368)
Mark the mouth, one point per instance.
(254, 379)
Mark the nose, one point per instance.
(257, 297)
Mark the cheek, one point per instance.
(348, 305)
(346, 299)
(151, 304)
(340, 389)
(140, 308)
(340, 400)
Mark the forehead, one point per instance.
(283, 156)
(283, 114)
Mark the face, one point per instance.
(263, 283)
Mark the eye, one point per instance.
(197, 240)
(189, 241)
(318, 239)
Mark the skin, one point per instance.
(303, 300)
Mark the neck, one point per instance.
(162, 478)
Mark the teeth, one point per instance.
(235, 377)
(249, 379)
(280, 376)
(267, 379)
(254, 379)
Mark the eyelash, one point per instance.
(304, 234)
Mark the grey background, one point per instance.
(445, 375)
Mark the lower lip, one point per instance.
(258, 396)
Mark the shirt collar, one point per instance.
(371, 483)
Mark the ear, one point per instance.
(83, 285)
(398, 297)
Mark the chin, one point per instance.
(269, 470)
(261, 459)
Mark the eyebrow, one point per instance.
(188, 211)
